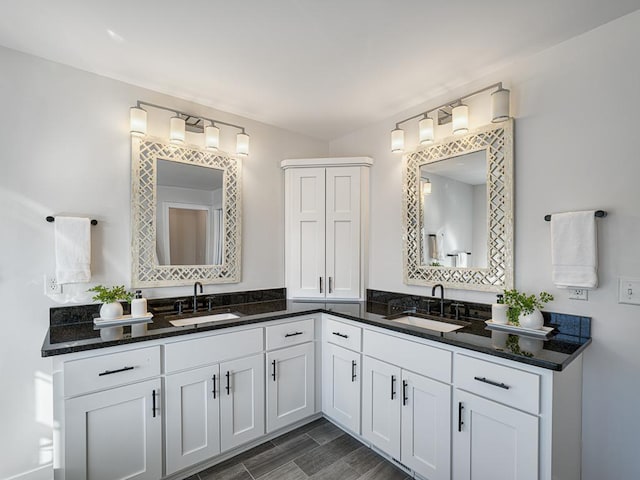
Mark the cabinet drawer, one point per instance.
(423, 359)
(347, 336)
(106, 371)
(503, 384)
(290, 333)
(212, 349)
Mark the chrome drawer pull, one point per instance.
(341, 335)
(491, 382)
(109, 372)
(293, 334)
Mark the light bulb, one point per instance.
(460, 120)
(425, 127)
(242, 144)
(211, 137)
(500, 105)
(177, 134)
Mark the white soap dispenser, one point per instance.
(499, 310)
(138, 305)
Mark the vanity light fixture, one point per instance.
(425, 128)
(455, 112)
(182, 122)
(397, 140)
(460, 119)
(138, 121)
(242, 144)
(177, 130)
(211, 137)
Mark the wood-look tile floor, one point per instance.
(316, 451)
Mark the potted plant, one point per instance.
(110, 297)
(524, 310)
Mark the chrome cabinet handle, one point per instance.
(404, 392)
(214, 386)
(228, 387)
(321, 285)
(110, 372)
(491, 382)
(274, 370)
(353, 370)
(393, 386)
(330, 285)
(342, 335)
(460, 422)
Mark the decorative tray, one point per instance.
(544, 332)
(123, 320)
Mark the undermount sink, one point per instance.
(427, 323)
(217, 317)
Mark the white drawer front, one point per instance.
(345, 335)
(290, 333)
(109, 370)
(503, 384)
(203, 351)
(423, 359)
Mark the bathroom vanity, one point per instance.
(442, 405)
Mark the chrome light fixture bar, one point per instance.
(456, 112)
(182, 122)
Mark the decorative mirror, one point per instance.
(186, 215)
(458, 211)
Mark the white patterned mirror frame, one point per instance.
(497, 141)
(146, 272)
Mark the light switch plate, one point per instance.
(629, 290)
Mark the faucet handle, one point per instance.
(210, 300)
(178, 304)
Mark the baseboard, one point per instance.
(45, 472)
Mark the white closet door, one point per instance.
(343, 232)
(306, 237)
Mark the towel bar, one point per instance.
(599, 213)
(53, 219)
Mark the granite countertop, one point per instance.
(76, 331)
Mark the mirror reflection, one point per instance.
(189, 214)
(454, 211)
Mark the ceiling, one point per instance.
(319, 67)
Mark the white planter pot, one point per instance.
(533, 320)
(111, 310)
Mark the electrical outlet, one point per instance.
(579, 294)
(629, 290)
(51, 285)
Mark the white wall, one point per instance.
(575, 148)
(65, 150)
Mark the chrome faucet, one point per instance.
(433, 292)
(195, 296)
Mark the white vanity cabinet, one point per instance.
(112, 416)
(341, 371)
(326, 222)
(407, 414)
(513, 421)
(290, 372)
(214, 395)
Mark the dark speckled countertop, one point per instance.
(72, 328)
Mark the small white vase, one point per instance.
(534, 320)
(530, 345)
(110, 311)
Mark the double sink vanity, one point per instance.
(180, 398)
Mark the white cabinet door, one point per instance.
(341, 386)
(241, 401)
(192, 417)
(493, 441)
(305, 201)
(381, 401)
(115, 434)
(290, 385)
(343, 232)
(426, 426)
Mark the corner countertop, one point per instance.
(78, 334)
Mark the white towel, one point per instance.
(73, 250)
(574, 250)
(463, 260)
